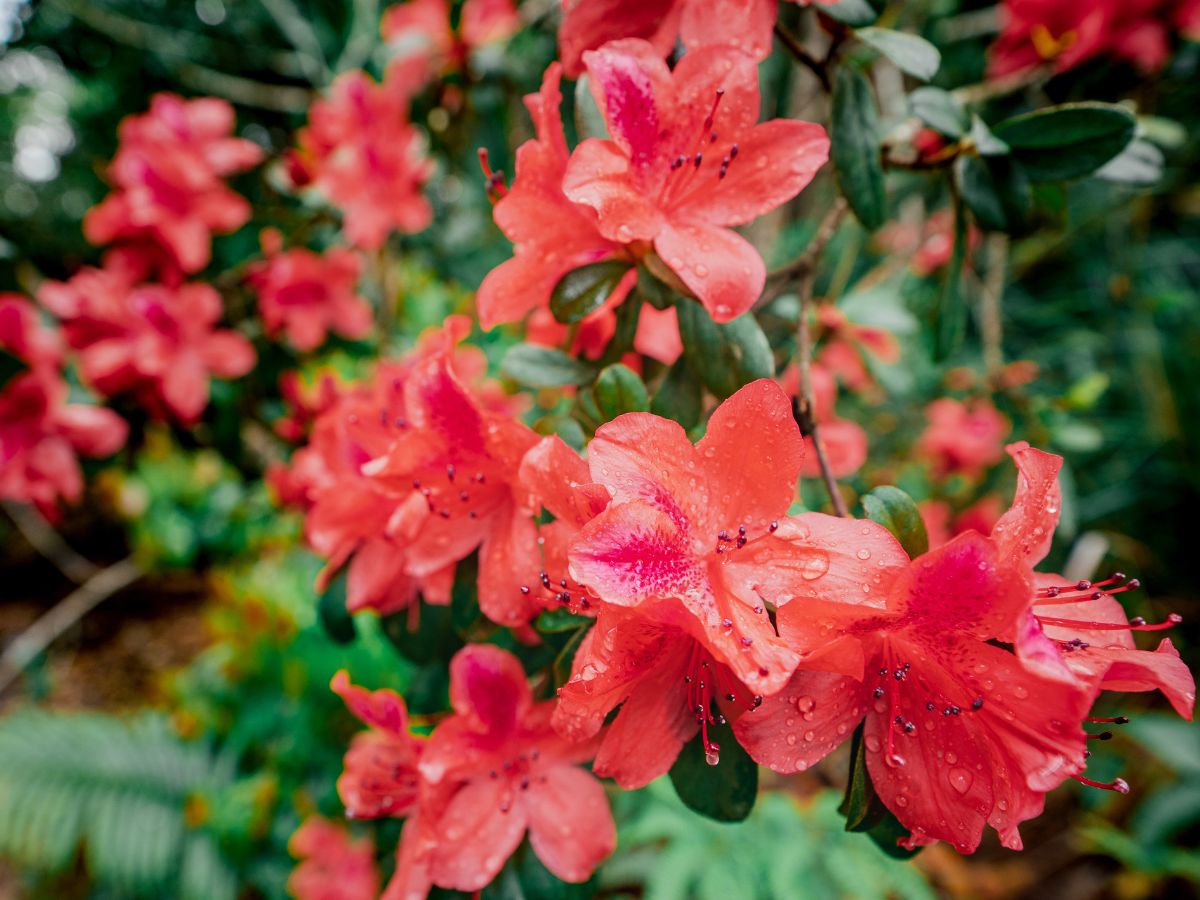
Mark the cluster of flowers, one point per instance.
(971, 673)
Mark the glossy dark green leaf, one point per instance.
(332, 612)
(432, 639)
(939, 110)
(582, 291)
(1069, 141)
(654, 290)
(725, 356)
(544, 367)
(911, 53)
(619, 390)
(864, 811)
(678, 396)
(897, 512)
(996, 191)
(854, 145)
(464, 602)
(725, 792)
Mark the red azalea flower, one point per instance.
(695, 526)
(380, 776)
(958, 733)
(452, 476)
(348, 512)
(333, 865)
(1064, 35)
(306, 294)
(158, 341)
(551, 235)
(963, 438)
(497, 769)
(687, 161)
(421, 28)
(1079, 630)
(41, 433)
(167, 179)
(362, 152)
(742, 24)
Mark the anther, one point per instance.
(1102, 736)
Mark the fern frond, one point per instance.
(118, 789)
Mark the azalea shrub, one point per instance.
(552, 402)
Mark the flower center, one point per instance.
(519, 773)
(685, 175)
(451, 495)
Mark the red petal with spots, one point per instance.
(804, 722)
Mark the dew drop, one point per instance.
(960, 779)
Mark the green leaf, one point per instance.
(1069, 141)
(582, 291)
(725, 792)
(996, 191)
(544, 367)
(433, 640)
(911, 53)
(678, 396)
(556, 621)
(725, 356)
(653, 289)
(854, 13)
(855, 147)
(864, 811)
(1139, 164)
(619, 390)
(939, 110)
(331, 610)
(895, 510)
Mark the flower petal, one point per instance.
(570, 824)
(488, 685)
(599, 176)
(804, 722)
(383, 709)
(475, 837)
(719, 266)
(776, 160)
(751, 453)
(1025, 531)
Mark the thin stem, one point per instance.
(803, 57)
(43, 538)
(42, 633)
(803, 271)
(991, 325)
